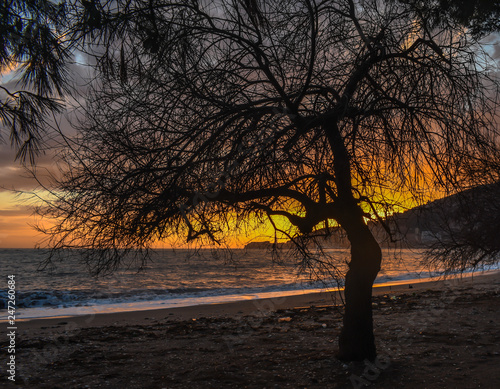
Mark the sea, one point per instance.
(178, 278)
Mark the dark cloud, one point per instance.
(7, 154)
(20, 211)
(79, 74)
(16, 178)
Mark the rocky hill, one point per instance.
(474, 211)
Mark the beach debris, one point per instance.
(284, 319)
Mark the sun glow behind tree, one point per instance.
(203, 114)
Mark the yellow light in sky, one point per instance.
(15, 220)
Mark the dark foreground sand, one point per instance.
(443, 334)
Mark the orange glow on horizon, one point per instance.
(16, 221)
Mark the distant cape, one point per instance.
(422, 226)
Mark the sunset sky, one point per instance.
(15, 215)
(16, 218)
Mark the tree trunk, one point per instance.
(357, 341)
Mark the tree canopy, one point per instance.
(33, 60)
(204, 113)
(209, 109)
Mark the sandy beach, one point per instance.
(439, 334)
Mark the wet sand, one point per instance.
(429, 335)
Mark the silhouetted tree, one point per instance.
(33, 61)
(317, 112)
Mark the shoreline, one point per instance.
(431, 335)
(249, 306)
(210, 300)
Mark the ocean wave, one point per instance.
(87, 297)
(72, 298)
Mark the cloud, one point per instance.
(16, 221)
(16, 177)
(21, 211)
(16, 231)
